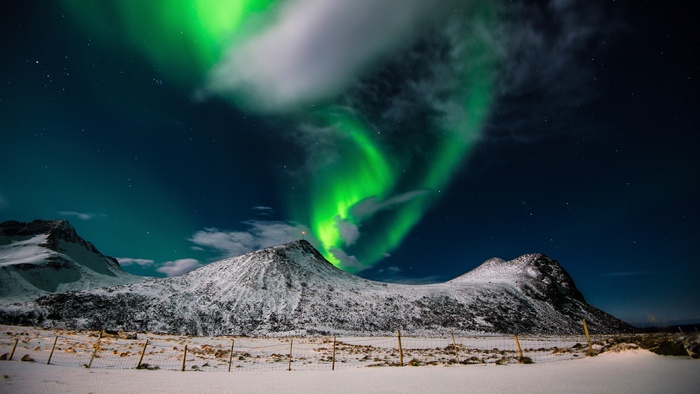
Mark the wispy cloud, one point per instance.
(327, 52)
(127, 261)
(169, 268)
(372, 205)
(315, 49)
(263, 211)
(348, 261)
(81, 215)
(178, 267)
(349, 231)
(544, 77)
(257, 235)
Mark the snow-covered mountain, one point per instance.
(292, 287)
(44, 257)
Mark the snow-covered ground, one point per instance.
(71, 348)
(631, 371)
(488, 364)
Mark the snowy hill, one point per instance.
(292, 287)
(535, 275)
(44, 257)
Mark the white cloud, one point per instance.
(314, 49)
(348, 262)
(349, 232)
(263, 211)
(127, 261)
(259, 235)
(178, 267)
(372, 205)
(80, 215)
(228, 243)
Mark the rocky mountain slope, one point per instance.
(43, 257)
(293, 288)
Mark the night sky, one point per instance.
(408, 140)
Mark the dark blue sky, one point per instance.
(589, 152)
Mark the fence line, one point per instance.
(224, 354)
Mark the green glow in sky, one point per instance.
(364, 170)
(186, 38)
(182, 38)
(360, 171)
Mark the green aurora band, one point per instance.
(185, 38)
(365, 170)
(182, 38)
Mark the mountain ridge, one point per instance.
(292, 288)
(47, 256)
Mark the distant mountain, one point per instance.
(293, 288)
(44, 257)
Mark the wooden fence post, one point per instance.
(455, 345)
(12, 353)
(520, 351)
(52, 349)
(94, 352)
(143, 351)
(400, 349)
(230, 356)
(588, 338)
(333, 356)
(184, 357)
(289, 362)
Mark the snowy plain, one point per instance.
(631, 371)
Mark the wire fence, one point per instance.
(93, 349)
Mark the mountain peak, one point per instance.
(59, 233)
(292, 287)
(13, 227)
(299, 244)
(537, 274)
(303, 246)
(46, 256)
(291, 263)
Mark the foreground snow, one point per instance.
(70, 348)
(636, 371)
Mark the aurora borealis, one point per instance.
(190, 38)
(184, 39)
(409, 140)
